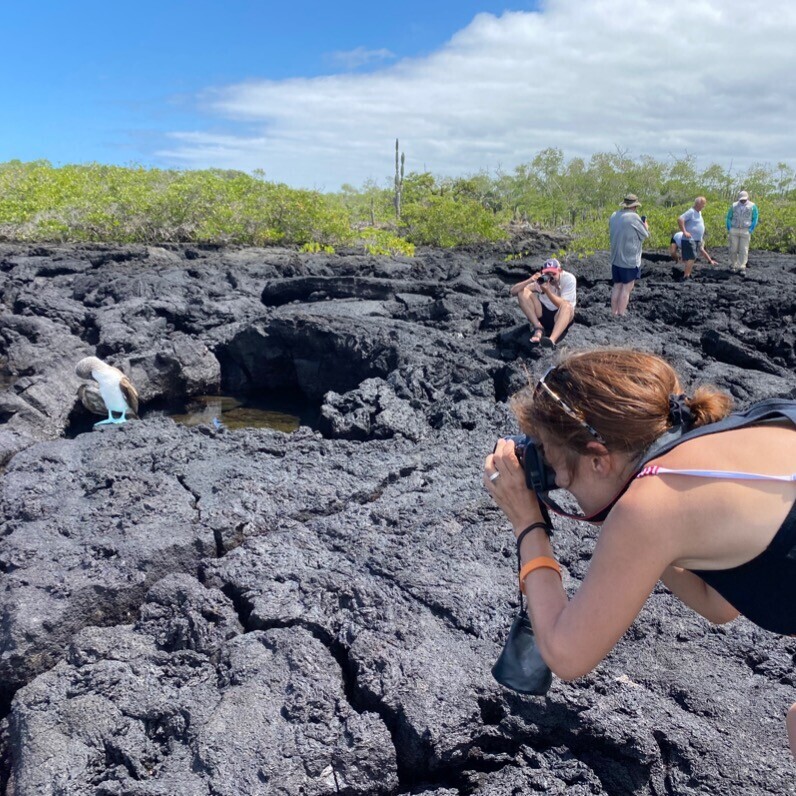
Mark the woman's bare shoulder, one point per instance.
(654, 511)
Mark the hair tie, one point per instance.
(680, 414)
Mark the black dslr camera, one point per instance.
(538, 476)
(544, 279)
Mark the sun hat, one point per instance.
(743, 195)
(631, 200)
(551, 266)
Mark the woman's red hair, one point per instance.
(623, 394)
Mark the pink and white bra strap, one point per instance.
(654, 469)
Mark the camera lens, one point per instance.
(538, 476)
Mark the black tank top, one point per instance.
(763, 589)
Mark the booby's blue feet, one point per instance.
(111, 419)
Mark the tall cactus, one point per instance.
(399, 180)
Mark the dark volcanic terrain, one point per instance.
(201, 612)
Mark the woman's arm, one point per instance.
(632, 552)
(628, 561)
(696, 594)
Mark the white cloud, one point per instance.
(710, 77)
(360, 56)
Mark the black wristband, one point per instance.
(525, 531)
(547, 529)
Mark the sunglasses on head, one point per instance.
(565, 407)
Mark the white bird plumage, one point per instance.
(118, 393)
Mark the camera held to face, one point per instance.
(538, 476)
(545, 278)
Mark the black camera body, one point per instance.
(538, 476)
(544, 279)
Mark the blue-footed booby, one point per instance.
(118, 394)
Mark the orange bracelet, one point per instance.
(540, 562)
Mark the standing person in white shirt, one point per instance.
(547, 299)
(693, 228)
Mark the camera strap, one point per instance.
(523, 533)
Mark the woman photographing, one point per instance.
(686, 493)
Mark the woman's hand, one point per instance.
(508, 488)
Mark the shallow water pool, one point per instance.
(235, 412)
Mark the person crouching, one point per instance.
(547, 298)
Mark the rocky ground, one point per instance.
(201, 612)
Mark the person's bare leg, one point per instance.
(624, 297)
(791, 720)
(531, 308)
(674, 252)
(615, 291)
(564, 316)
(689, 267)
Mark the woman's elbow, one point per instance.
(719, 610)
(565, 664)
(723, 616)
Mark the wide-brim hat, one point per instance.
(743, 195)
(631, 200)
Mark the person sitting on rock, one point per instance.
(676, 245)
(547, 298)
(685, 493)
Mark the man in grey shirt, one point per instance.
(627, 232)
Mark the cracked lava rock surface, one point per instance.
(207, 612)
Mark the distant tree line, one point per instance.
(92, 202)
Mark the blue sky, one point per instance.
(315, 93)
(103, 80)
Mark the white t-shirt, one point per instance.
(567, 290)
(678, 239)
(694, 223)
